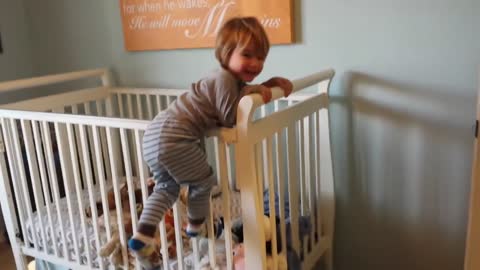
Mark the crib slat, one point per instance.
(159, 104)
(307, 179)
(78, 189)
(89, 144)
(116, 190)
(76, 144)
(128, 172)
(319, 175)
(149, 107)
(15, 174)
(301, 159)
(67, 174)
(32, 162)
(6, 198)
(54, 182)
(302, 178)
(211, 238)
(196, 257)
(130, 107)
(224, 183)
(170, 99)
(293, 187)
(35, 181)
(178, 237)
(231, 177)
(91, 195)
(143, 170)
(104, 148)
(133, 149)
(120, 106)
(101, 180)
(310, 131)
(23, 183)
(164, 244)
(265, 163)
(139, 107)
(279, 153)
(271, 190)
(260, 173)
(99, 107)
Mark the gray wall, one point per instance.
(403, 103)
(69, 35)
(15, 61)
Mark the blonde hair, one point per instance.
(239, 32)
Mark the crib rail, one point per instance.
(142, 103)
(57, 78)
(87, 164)
(45, 154)
(288, 150)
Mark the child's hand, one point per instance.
(261, 89)
(283, 83)
(266, 93)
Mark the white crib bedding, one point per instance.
(77, 230)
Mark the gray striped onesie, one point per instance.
(172, 148)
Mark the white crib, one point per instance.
(60, 154)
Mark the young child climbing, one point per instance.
(171, 143)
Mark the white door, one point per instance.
(472, 254)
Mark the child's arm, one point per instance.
(265, 90)
(283, 83)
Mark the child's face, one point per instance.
(246, 63)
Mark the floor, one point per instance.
(6, 257)
(7, 261)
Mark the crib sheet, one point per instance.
(33, 225)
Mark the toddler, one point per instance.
(172, 142)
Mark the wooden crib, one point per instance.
(66, 158)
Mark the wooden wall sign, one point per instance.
(175, 24)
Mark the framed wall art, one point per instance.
(180, 24)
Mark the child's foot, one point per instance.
(145, 253)
(194, 230)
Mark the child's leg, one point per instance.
(164, 195)
(198, 206)
(188, 165)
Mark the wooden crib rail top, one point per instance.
(56, 78)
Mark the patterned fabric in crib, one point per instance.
(33, 225)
